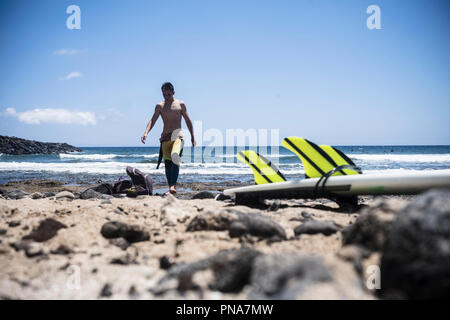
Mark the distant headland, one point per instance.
(16, 146)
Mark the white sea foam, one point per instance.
(113, 167)
(87, 156)
(418, 158)
(105, 156)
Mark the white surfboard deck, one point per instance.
(349, 185)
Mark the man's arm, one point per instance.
(188, 122)
(152, 122)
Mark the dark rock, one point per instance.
(132, 292)
(256, 225)
(371, 227)
(14, 145)
(90, 194)
(166, 263)
(237, 223)
(37, 195)
(106, 291)
(355, 255)
(47, 229)
(131, 233)
(20, 245)
(113, 229)
(3, 231)
(14, 223)
(62, 249)
(415, 261)
(232, 269)
(203, 195)
(25, 228)
(192, 267)
(306, 216)
(33, 249)
(120, 242)
(222, 197)
(212, 221)
(275, 205)
(135, 234)
(238, 229)
(16, 194)
(125, 259)
(285, 275)
(186, 283)
(49, 194)
(315, 227)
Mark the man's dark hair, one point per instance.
(167, 86)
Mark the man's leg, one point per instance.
(167, 149)
(175, 152)
(167, 166)
(172, 161)
(174, 171)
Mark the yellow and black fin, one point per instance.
(264, 170)
(340, 159)
(318, 160)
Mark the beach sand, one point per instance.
(80, 263)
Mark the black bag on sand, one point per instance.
(122, 186)
(142, 183)
(104, 188)
(112, 189)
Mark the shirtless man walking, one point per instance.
(172, 137)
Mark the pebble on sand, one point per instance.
(131, 233)
(315, 227)
(46, 230)
(64, 195)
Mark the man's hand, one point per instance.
(193, 141)
(143, 138)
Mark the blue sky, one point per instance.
(307, 68)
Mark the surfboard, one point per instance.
(350, 185)
(329, 173)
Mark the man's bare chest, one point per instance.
(170, 111)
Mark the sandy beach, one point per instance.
(179, 248)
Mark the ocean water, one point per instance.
(205, 164)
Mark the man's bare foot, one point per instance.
(171, 191)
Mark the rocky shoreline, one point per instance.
(17, 146)
(74, 244)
